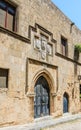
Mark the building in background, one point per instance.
(39, 71)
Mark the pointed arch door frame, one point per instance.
(50, 82)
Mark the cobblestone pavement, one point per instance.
(72, 125)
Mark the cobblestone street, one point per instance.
(72, 125)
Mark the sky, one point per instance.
(71, 8)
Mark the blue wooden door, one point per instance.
(65, 104)
(41, 100)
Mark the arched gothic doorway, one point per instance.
(42, 98)
(65, 103)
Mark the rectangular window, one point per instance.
(64, 47)
(7, 15)
(3, 78)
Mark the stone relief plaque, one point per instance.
(43, 55)
(42, 45)
(49, 49)
(37, 43)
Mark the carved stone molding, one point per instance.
(42, 41)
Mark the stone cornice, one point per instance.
(42, 63)
(15, 35)
(67, 58)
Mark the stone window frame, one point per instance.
(13, 12)
(64, 46)
(4, 73)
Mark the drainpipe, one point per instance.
(71, 26)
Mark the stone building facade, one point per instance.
(39, 73)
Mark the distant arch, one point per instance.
(65, 102)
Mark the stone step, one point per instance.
(45, 118)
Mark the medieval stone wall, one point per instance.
(26, 63)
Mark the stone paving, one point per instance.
(72, 125)
(48, 121)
